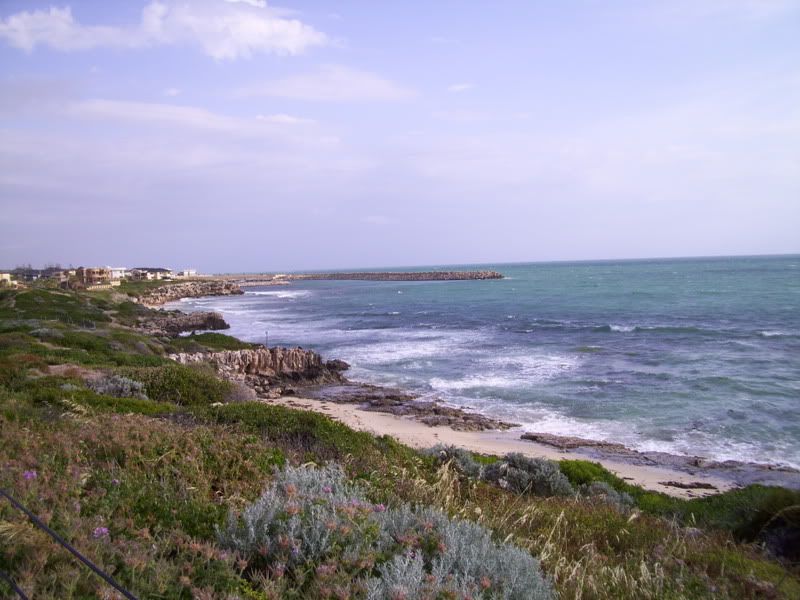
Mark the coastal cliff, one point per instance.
(189, 289)
(263, 368)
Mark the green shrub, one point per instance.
(128, 312)
(582, 472)
(208, 341)
(743, 512)
(180, 384)
(67, 307)
(139, 406)
(304, 430)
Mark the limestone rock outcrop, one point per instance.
(264, 368)
(174, 322)
(397, 402)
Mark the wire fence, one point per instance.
(36, 521)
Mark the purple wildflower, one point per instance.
(28, 475)
(379, 508)
(100, 532)
(327, 489)
(115, 482)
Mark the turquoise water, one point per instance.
(689, 356)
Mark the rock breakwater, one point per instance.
(401, 276)
(188, 289)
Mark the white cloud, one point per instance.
(201, 121)
(333, 83)
(224, 30)
(172, 92)
(459, 87)
(283, 119)
(188, 116)
(256, 3)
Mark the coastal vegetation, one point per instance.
(156, 473)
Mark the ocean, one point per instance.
(686, 356)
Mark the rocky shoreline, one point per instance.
(273, 373)
(740, 472)
(400, 403)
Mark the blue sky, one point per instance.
(234, 136)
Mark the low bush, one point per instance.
(522, 474)
(67, 307)
(306, 432)
(208, 341)
(314, 530)
(180, 384)
(744, 512)
(118, 386)
(460, 459)
(128, 312)
(600, 490)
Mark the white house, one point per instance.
(187, 273)
(149, 273)
(118, 272)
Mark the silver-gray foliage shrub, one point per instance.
(118, 387)
(466, 562)
(47, 333)
(458, 457)
(600, 490)
(314, 522)
(522, 474)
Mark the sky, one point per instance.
(233, 136)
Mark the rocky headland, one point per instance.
(174, 322)
(189, 289)
(275, 372)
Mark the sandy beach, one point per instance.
(419, 435)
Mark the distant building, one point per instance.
(118, 272)
(93, 275)
(7, 279)
(29, 274)
(26, 274)
(150, 273)
(187, 273)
